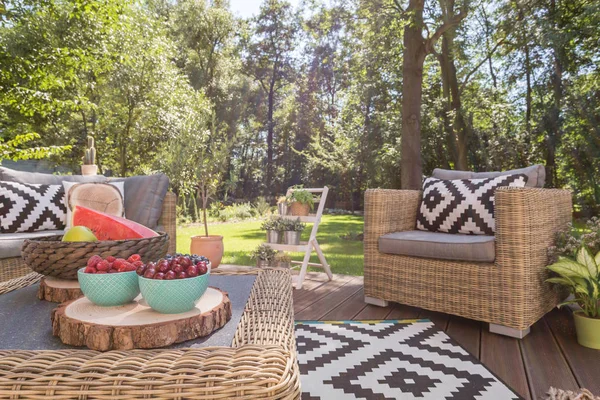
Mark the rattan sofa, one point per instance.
(509, 293)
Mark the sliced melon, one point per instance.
(109, 227)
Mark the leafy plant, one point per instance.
(273, 224)
(262, 206)
(264, 252)
(292, 225)
(569, 240)
(282, 257)
(300, 195)
(582, 277)
(282, 199)
(12, 149)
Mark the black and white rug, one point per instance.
(409, 359)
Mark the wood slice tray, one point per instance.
(58, 290)
(135, 325)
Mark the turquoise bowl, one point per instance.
(109, 290)
(175, 296)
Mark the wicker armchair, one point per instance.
(510, 293)
(15, 274)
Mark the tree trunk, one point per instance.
(412, 80)
(270, 130)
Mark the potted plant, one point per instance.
(282, 205)
(582, 277)
(283, 260)
(292, 229)
(264, 256)
(273, 228)
(300, 201)
(89, 166)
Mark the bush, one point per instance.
(239, 212)
(262, 206)
(570, 240)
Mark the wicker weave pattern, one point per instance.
(510, 292)
(168, 220)
(254, 368)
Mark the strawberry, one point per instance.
(134, 258)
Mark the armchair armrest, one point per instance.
(388, 211)
(526, 221)
(168, 220)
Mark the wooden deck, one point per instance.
(548, 356)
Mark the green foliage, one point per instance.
(569, 240)
(237, 212)
(262, 206)
(288, 224)
(19, 148)
(272, 224)
(582, 277)
(264, 252)
(300, 195)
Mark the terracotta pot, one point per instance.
(87, 169)
(588, 330)
(210, 246)
(299, 209)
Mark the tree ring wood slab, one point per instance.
(135, 325)
(58, 290)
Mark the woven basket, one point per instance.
(299, 209)
(51, 257)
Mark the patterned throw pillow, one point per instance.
(463, 205)
(29, 208)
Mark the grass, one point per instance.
(240, 238)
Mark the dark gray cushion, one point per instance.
(144, 196)
(10, 243)
(536, 174)
(446, 246)
(11, 175)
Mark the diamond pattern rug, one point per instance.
(382, 360)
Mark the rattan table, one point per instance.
(261, 363)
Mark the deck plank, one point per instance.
(401, 311)
(439, 319)
(544, 362)
(322, 306)
(466, 332)
(303, 300)
(348, 309)
(502, 356)
(584, 362)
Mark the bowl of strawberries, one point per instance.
(110, 281)
(174, 284)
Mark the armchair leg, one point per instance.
(506, 331)
(376, 302)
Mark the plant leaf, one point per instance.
(585, 257)
(569, 268)
(561, 281)
(597, 260)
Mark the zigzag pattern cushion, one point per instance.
(463, 205)
(29, 208)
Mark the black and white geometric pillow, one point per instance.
(462, 205)
(29, 208)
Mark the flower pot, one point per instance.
(87, 169)
(291, 237)
(299, 209)
(272, 236)
(210, 247)
(588, 330)
(263, 263)
(282, 208)
(284, 265)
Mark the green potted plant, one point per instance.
(292, 229)
(264, 256)
(273, 227)
(582, 277)
(283, 260)
(300, 201)
(89, 166)
(282, 205)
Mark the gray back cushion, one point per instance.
(11, 175)
(144, 196)
(536, 174)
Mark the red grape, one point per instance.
(192, 271)
(202, 269)
(140, 270)
(177, 268)
(163, 266)
(160, 276)
(182, 275)
(170, 275)
(149, 273)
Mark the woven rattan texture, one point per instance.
(168, 220)
(52, 257)
(261, 364)
(510, 292)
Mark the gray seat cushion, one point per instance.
(144, 197)
(447, 246)
(10, 243)
(11, 175)
(536, 174)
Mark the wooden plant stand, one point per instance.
(135, 325)
(312, 244)
(58, 290)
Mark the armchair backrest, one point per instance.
(536, 174)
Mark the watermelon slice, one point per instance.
(109, 227)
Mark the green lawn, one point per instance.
(344, 256)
